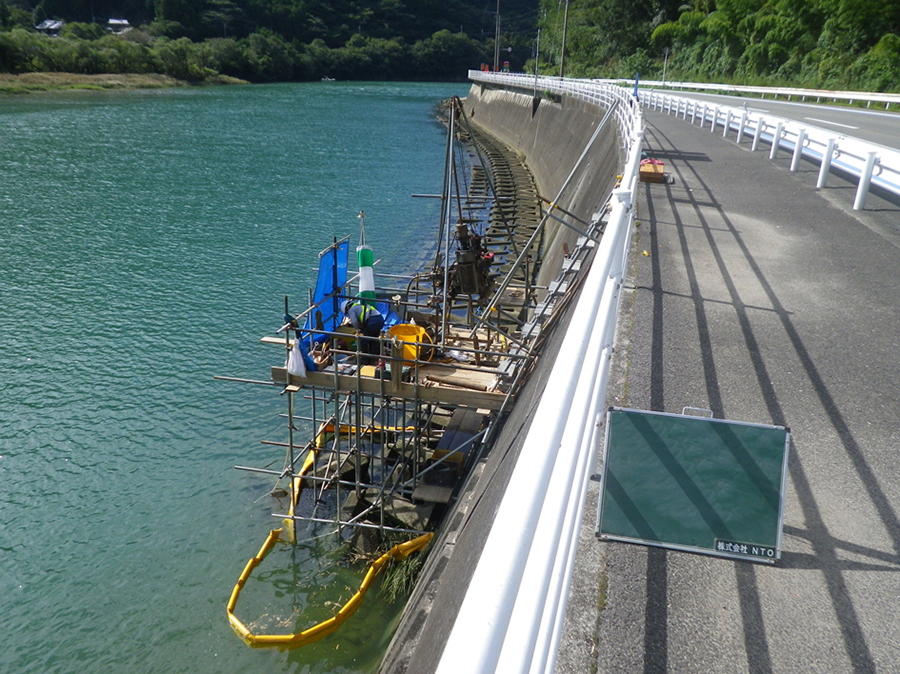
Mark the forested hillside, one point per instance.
(267, 40)
(833, 44)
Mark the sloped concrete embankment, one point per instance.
(551, 137)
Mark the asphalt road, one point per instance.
(757, 296)
(872, 125)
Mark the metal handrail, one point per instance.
(601, 95)
(819, 94)
(511, 617)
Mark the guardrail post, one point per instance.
(727, 124)
(865, 179)
(826, 163)
(742, 124)
(693, 111)
(715, 119)
(760, 125)
(776, 140)
(798, 150)
(703, 116)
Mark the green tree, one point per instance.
(179, 15)
(5, 15)
(224, 56)
(879, 68)
(83, 31)
(270, 57)
(447, 56)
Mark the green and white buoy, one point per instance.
(365, 260)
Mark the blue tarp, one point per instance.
(332, 276)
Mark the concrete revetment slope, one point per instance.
(551, 134)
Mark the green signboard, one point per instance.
(693, 483)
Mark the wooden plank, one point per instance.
(457, 439)
(430, 394)
(464, 425)
(466, 378)
(513, 297)
(432, 493)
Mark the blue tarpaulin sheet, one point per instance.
(333, 276)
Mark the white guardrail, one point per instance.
(867, 163)
(511, 617)
(818, 95)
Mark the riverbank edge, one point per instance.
(35, 83)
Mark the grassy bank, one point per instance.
(36, 82)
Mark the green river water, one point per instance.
(146, 242)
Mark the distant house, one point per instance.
(118, 26)
(50, 27)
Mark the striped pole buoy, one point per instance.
(365, 260)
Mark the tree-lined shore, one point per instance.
(262, 40)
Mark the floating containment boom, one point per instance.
(323, 629)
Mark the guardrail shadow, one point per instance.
(825, 558)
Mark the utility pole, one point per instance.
(497, 40)
(665, 63)
(562, 59)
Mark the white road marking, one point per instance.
(825, 121)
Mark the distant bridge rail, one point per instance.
(790, 93)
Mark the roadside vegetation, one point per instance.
(820, 44)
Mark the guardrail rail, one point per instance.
(788, 92)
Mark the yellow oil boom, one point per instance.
(323, 629)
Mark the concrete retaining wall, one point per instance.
(551, 138)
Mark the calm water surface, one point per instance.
(146, 242)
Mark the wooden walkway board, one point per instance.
(432, 493)
(430, 394)
(464, 378)
(457, 439)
